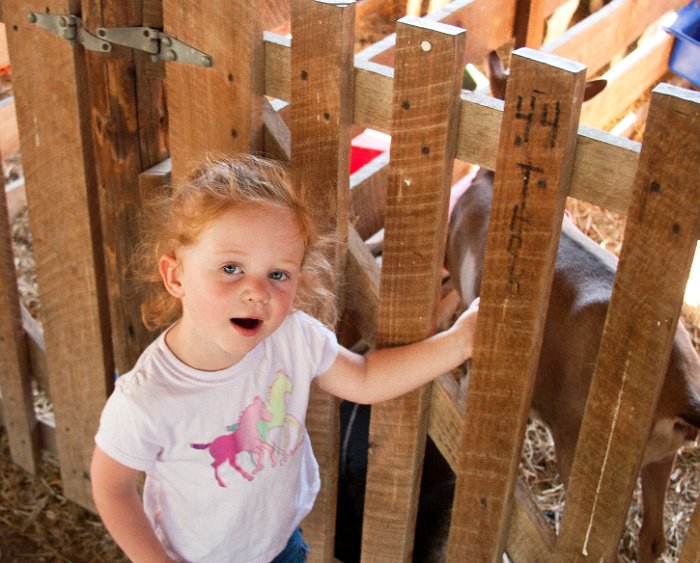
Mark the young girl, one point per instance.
(214, 409)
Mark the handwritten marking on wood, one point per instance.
(533, 171)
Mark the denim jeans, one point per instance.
(296, 550)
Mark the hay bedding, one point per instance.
(37, 523)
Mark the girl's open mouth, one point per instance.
(246, 325)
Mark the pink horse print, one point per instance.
(245, 438)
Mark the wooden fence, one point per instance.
(95, 131)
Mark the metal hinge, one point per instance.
(71, 28)
(160, 45)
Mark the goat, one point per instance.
(580, 294)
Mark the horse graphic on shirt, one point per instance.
(288, 425)
(244, 438)
(277, 405)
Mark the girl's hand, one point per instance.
(465, 327)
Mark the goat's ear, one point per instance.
(498, 76)
(594, 87)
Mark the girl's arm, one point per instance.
(390, 372)
(118, 502)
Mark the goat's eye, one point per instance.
(231, 269)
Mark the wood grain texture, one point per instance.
(425, 105)
(604, 167)
(216, 109)
(691, 545)
(15, 375)
(533, 170)
(128, 137)
(320, 121)
(609, 30)
(530, 23)
(629, 80)
(49, 81)
(663, 224)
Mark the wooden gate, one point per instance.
(93, 131)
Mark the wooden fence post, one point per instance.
(424, 134)
(216, 109)
(321, 116)
(128, 124)
(49, 83)
(529, 23)
(533, 170)
(15, 377)
(662, 230)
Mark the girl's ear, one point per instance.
(169, 269)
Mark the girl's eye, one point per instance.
(279, 276)
(231, 269)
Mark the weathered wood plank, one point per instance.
(320, 121)
(425, 105)
(36, 350)
(530, 23)
(15, 377)
(49, 83)
(362, 287)
(660, 240)
(691, 543)
(598, 153)
(533, 170)
(216, 109)
(368, 196)
(609, 30)
(629, 80)
(119, 94)
(471, 15)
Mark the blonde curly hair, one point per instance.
(177, 218)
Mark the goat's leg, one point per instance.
(652, 539)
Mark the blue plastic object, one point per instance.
(685, 56)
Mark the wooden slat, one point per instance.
(660, 240)
(49, 83)
(277, 137)
(467, 14)
(36, 349)
(368, 196)
(278, 65)
(629, 80)
(425, 105)
(15, 377)
(362, 287)
(119, 134)
(691, 543)
(597, 155)
(217, 109)
(535, 161)
(321, 117)
(530, 23)
(609, 30)
(530, 536)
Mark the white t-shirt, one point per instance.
(230, 473)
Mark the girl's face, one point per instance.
(237, 283)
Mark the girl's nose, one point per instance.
(256, 291)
